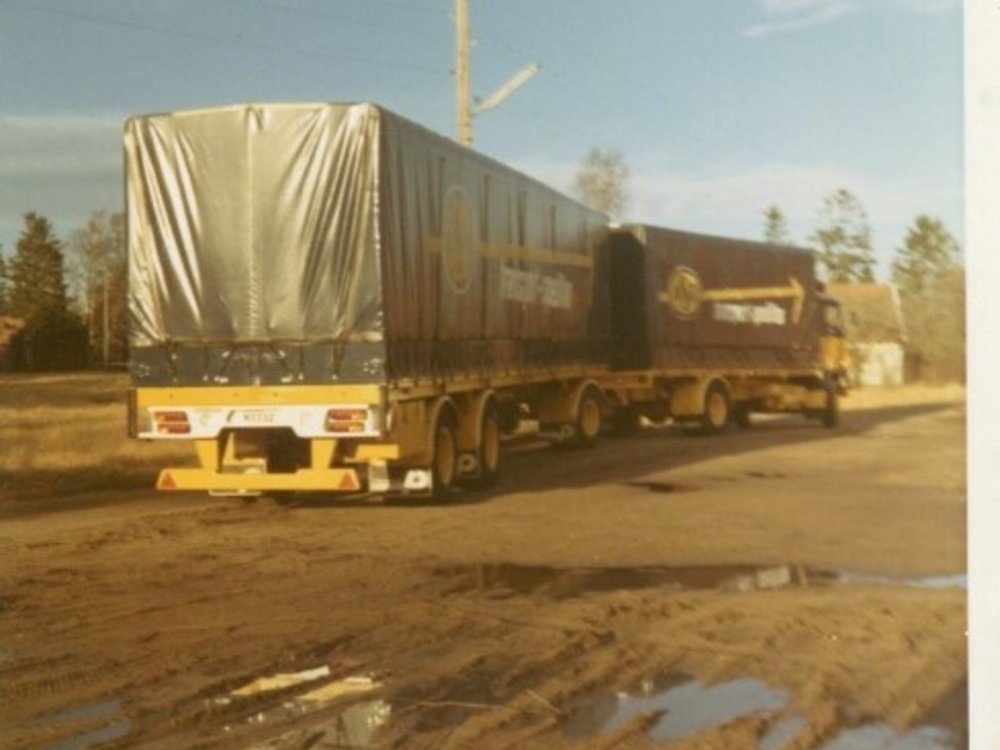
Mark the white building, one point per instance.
(873, 318)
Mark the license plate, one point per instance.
(254, 417)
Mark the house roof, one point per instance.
(8, 329)
(872, 312)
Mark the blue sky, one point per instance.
(720, 108)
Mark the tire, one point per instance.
(587, 428)
(488, 452)
(717, 413)
(831, 412)
(444, 462)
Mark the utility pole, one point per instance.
(462, 72)
(465, 110)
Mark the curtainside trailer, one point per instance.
(709, 330)
(331, 297)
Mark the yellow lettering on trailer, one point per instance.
(793, 291)
(517, 253)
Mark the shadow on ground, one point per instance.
(531, 466)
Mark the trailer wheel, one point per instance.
(831, 412)
(717, 413)
(489, 450)
(588, 418)
(444, 464)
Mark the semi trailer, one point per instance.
(330, 297)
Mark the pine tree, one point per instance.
(844, 239)
(775, 226)
(928, 251)
(37, 284)
(931, 285)
(52, 338)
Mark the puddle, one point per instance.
(108, 712)
(882, 737)
(682, 706)
(954, 580)
(356, 727)
(562, 583)
(353, 727)
(867, 737)
(940, 582)
(94, 737)
(782, 733)
(87, 712)
(685, 706)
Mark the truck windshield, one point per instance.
(832, 319)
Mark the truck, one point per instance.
(706, 331)
(331, 297)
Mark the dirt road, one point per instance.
(784, 588)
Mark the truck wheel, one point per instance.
(831, 412)
(444, 464)
(488, 451)
(717, 413)
(588, 418)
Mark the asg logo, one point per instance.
(684, 293)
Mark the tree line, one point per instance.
(926, 270)
(70, 297)
(65, 301)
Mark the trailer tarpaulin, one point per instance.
(694, 301)
(340, 242)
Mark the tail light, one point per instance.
(347, 420)
(172, 422)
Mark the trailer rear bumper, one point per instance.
(250, 483)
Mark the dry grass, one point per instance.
(66, 434)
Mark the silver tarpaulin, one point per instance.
(344, 226)
(253, 224)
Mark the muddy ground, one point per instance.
(783, 588)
